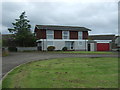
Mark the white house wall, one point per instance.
(92, 47)
(80, 47)
(59, 44)
(44, 45)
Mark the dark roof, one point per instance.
(7, 36)
(101, 37)
(56, 27)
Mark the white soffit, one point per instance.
(103, 41)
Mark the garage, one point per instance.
(103, 46)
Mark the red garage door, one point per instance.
(103, 47)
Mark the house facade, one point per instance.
(74, 38)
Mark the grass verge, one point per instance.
(65, 73)
(84, 52)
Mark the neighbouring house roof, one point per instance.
(7, 36)
(56, 27)
(101, 37)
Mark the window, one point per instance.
(79, 35)
(65, 34)
(49, 43)
(50, 34)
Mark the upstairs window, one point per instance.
(65, 34)
(79, 35)
(50, 34)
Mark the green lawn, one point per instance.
(65, 73)
(84, 52)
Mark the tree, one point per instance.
(22, 31)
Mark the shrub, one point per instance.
(12, 49)
(64, 49)
(51, 48)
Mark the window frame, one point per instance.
(80, 35)
(65, 35)
(50, 34)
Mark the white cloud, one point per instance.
(100, 17)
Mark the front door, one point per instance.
(39, 46)
(88, 47)
(69, 45)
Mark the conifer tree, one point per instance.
(22, 31)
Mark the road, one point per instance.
(15, 59)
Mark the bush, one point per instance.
(51, 48)
(64, 49)
(12, 49)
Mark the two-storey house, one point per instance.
(74, 38)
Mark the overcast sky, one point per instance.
(100, 17)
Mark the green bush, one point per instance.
(51, 48)
(12, 49)
(64, 49)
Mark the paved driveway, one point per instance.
(15, 59)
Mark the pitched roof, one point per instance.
(56, 27)
(7, 36)
(101, 37)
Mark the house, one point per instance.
(74, 38)
(116, 45)
(101, 42)
(8, 40)
(117, 41)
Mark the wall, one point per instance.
(85, 34)
(82, 47)
(26, 48)
(41, 34)
(73, 34)
(92, 47)
(57, 34)
(59, 44)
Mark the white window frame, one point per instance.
(80, 35)
(65, 35)
(50, 34)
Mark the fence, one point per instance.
(24, 48)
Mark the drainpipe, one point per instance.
(43, 41)
(85, 44)
(46, 40)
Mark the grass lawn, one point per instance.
(84, 52)
(65, 73)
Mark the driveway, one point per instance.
(15, 59)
